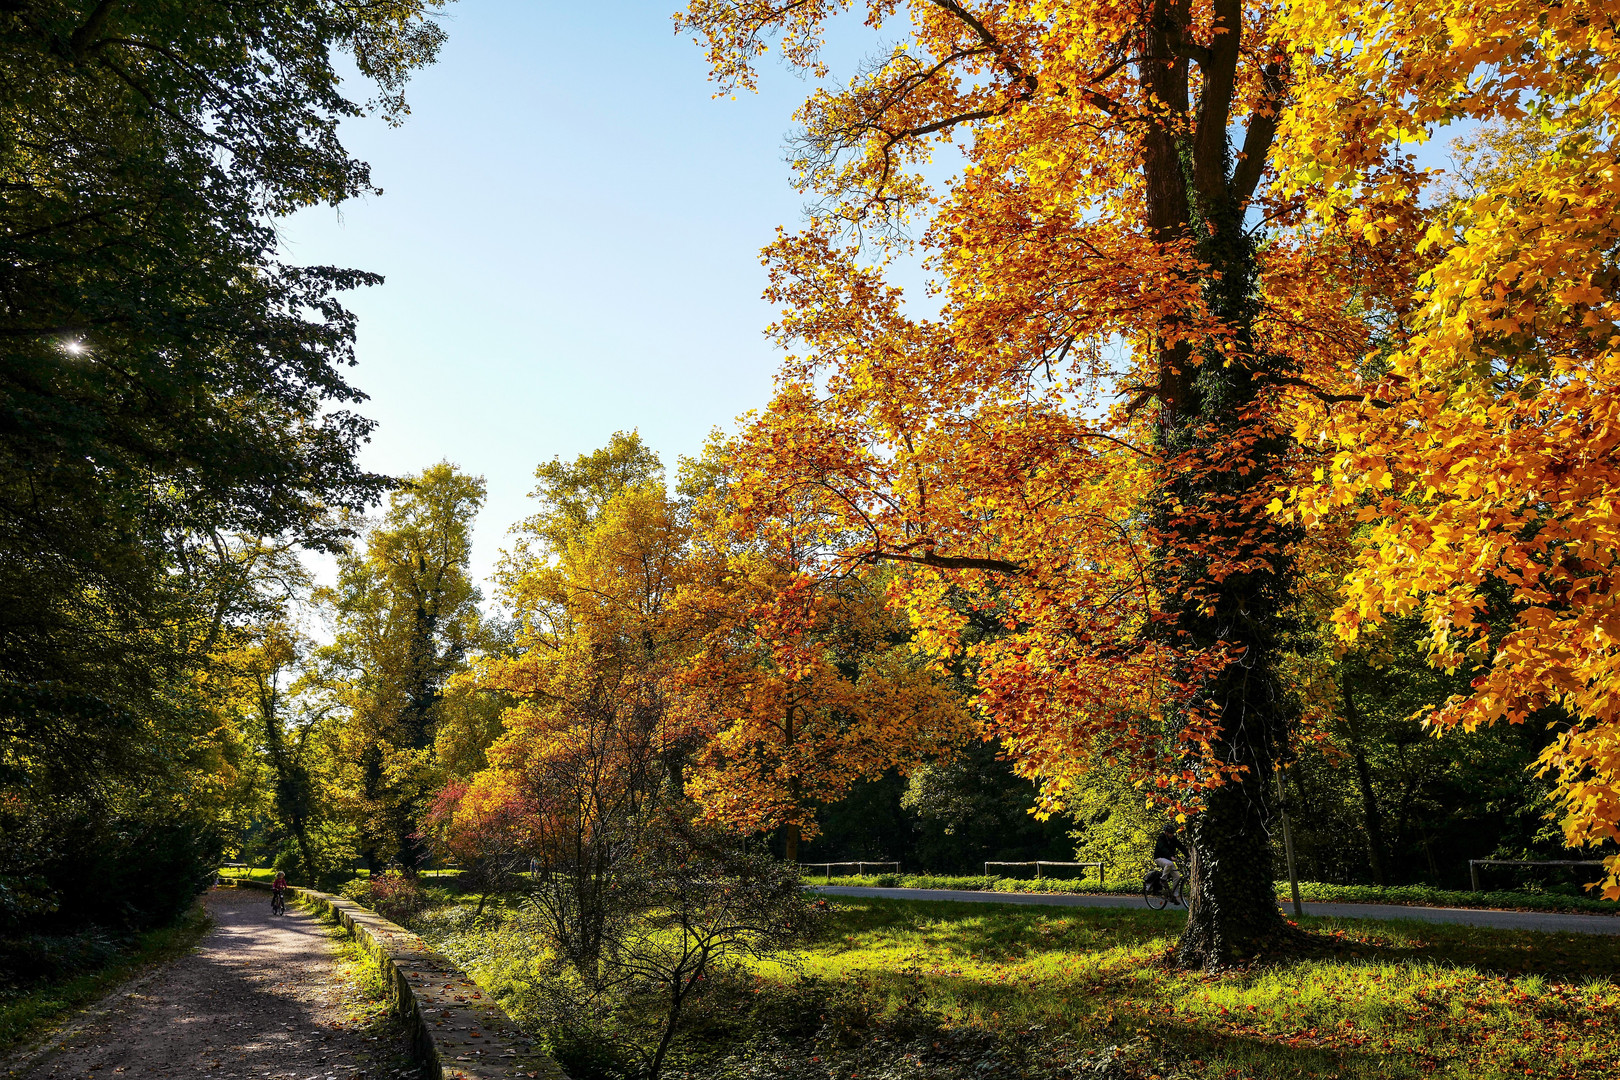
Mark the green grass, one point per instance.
(1309, 890)
(1402, 1000)
(369, 1010)
(1014, 991)
(268, 873)
(26, 1014)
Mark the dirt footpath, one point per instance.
(263, 996)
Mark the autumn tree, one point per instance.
(1481, 453)
(587, 764)
(406, 618)
(797, 686)
(1081, 444)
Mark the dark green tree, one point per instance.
(168, 381)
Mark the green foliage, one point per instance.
(951, 815)
(407, 619)
(1383, 801)
(1117, 827)
(173, 409)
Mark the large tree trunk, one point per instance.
(790, 843)
(1232, 913)
(1220, 561)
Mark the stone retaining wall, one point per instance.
(457, 1032)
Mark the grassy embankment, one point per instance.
(948, 991)
(86, 970)
(1308, 890)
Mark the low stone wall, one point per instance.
(457, 1033)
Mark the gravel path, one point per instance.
(261, 997)
(1546, 921)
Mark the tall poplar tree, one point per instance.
(407, 619)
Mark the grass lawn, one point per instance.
(1400, 999)
(1081, 993)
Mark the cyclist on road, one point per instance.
(1166, 849)
(278, 890)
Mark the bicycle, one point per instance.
(278, 902)
(1158, 893)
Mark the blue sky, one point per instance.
(570, 232)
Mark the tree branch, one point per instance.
(1257, 140)
(945, 562)
(1215, 104)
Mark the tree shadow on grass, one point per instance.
(1103, 977)
(995, 931)
(1006, 932)
(1488, 950)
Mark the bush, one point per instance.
(90, 869)
(392, 895)
(290, 862)
(38, 958)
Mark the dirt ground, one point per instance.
(262, 996)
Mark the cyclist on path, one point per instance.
(1166, 849)
(278, 889)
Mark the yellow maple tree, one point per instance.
(1483, 452)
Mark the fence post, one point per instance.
(1037, 869)
(1288, 845)
(1473, 873)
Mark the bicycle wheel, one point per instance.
(278, 905)
(1156, 898)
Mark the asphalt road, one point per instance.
(1545, 921)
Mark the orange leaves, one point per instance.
(691, 634)
(801, 686)
(1020, 461)
(1492, 464)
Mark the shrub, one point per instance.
(36, 958)
(392, 895)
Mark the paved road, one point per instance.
(261, 997)
(1549, 922)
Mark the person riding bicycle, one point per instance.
(1166, 849)
(278, 889)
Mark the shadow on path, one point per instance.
(262, 996)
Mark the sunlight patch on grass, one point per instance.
(1399, 1000)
